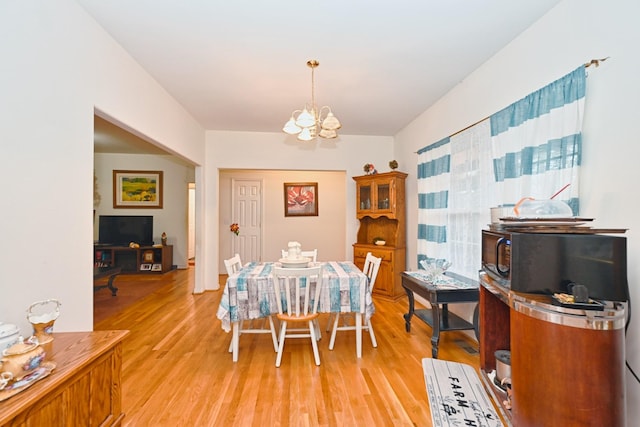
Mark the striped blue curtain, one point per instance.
(433, 197)
(531, 148)
(537, 142)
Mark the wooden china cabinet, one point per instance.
(380, 208)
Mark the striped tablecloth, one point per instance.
(249, 293)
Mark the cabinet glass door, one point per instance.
(365, 197)
(383, 196)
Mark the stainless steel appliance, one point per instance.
(547, 263)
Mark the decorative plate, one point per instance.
(12, 389)
(538, 223)
(561, 300)
(296, 263)
(545, 219)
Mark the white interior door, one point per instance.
(191, 252)
(247, 212)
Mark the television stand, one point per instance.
(143, 260)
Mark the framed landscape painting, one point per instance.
(300, 199)
(137, 189)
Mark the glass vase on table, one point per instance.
(434, 268)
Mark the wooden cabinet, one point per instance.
(146, 259)
(380, 200)
(380, 195)
(391, 268)
(84, 389)
(567, 365)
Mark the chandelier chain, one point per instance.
(313, 92)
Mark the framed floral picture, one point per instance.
(300, 199)
(137, 189)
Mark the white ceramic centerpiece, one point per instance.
(294, 256)
(295, 251)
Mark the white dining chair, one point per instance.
(297, 295)
(371, 266)
(256, 326)
(233, 264)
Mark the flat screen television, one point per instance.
(120, 230)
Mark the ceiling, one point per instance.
(241, 65)
(111, 138)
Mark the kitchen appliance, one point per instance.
(503, 365)
(546, 263)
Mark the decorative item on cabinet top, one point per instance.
(370, 169)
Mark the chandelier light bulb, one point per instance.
(291, 128)
(305, 135)
(328, 134)
(331, 122)
(305, 119)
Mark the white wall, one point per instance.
(573, 33)
(325, 232)
(277, 151)
(58, 67)
(172, 218)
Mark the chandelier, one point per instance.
(311, 121)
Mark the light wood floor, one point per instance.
(177, 370)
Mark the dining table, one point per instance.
(249, 294)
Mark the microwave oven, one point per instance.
(546, 263)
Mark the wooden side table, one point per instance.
(467, 292)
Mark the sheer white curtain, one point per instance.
(472, 194)
(531, 148)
